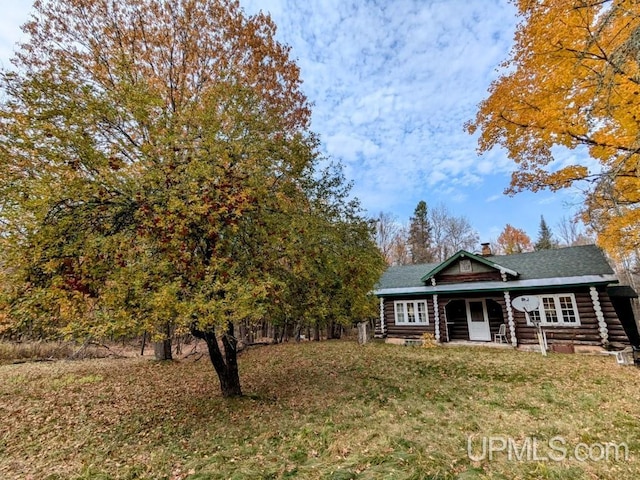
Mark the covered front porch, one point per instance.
(474, 320)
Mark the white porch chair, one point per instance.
(501, 335)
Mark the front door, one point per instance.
(478, 320)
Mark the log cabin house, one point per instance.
(469, 296)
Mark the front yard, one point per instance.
(330, 410)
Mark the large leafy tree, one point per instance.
(573, 80)
(513, 240)
(158, 169)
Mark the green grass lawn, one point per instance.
(331, 410)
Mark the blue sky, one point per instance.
(392, 83)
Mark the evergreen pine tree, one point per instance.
(545, 237)
(420, 235)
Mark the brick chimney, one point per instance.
(486, 249)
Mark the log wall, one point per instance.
(453, 320)
(469, 277)
(587, 333)
(407, 331)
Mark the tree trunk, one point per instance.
(270, 331)
(144, 343)
(225, 362)
(330, 330)
(337, 330)
(297, 332)
(242, 332)
(162, 349)
(363, 332)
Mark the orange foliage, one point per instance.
(573, 80)
(513, 240)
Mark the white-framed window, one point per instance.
(411, 312)
(559, 309)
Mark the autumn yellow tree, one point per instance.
(573, 80)
(158, 169)
(513, 240)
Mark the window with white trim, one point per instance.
(560, 309)
(411, 312)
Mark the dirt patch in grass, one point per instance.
(319, 410)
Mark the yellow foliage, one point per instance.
(428, 340)
(168, 175)
(573, 80)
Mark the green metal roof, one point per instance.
(585, 260)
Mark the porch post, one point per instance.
(382, 325)
(512, 323)
(602, 324)
(436, 318)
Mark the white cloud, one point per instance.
(392, 83)
(405, 75)
(13, 16)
